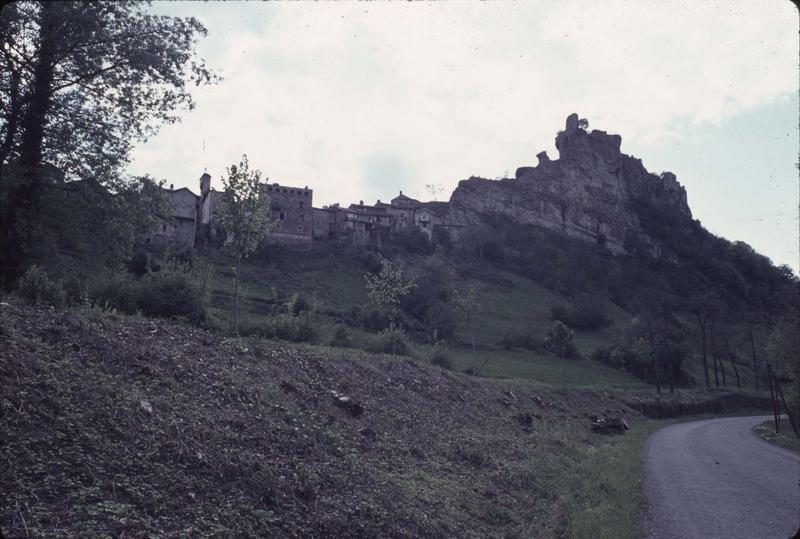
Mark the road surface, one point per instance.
(716, 478)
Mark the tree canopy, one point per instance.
(79, 83)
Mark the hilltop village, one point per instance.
(194, 219)
(592, 192)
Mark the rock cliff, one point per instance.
(593, 191)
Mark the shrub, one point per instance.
(413, 241)
(37, 288)
(176, 290)
(523, 340)
(185, 256)
(355, 316)
(558, 340)
(389, 341)
(115, 291)
(298, 304)
(76, 291)
(139, 264)
(441, 318)
(171, 292)
(587, 313)
(376, 320)
(284, 327)
(341, 338)
(441, 358)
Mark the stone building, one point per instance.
(292, 211)
(179, 227)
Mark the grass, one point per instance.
(546, 369)
(785, 439)
(510, 304)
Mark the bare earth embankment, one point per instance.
(120, 426)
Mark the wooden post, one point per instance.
(773, 398)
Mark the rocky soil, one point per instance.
(131, 427)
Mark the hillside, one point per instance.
(128, 427)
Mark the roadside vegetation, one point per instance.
(785, 438)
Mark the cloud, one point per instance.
(334, 95)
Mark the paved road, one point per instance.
(716, 478)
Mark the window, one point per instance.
(299, 228)
(300, 217)
(282, 216)
(300, 204)
(424, 224)
(163, 228)
(269, 189)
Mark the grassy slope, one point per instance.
(510, 304)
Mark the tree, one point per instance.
(657, 334)
(784, 349)
(469, 309)
(434, 189)
(387, 289)
(244, 218)
(558, 340)
(705, 307)
(79, 82)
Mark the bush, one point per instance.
(176, 290)
(341, 338)
(587, 313)
(284, 327)
(376, 320)
(413, 241)
(558, 340)
(523, 340)
(389, 341)
(171, 292)
(37, 288)
(76, 291)
(441, 318)
(441, 358)
(299, 304)
(139, 264)
(115, 291)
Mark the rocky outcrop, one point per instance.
(593, 191)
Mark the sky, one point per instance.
(361, 100)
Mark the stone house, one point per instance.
(194, 220)
(292, 211)
(180, 226)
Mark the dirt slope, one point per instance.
(117, 426)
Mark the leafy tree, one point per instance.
(784, 348)
(245, 219)
(387, 289)
(79, 82)
(559, 340)
(657, 334)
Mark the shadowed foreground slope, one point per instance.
(120, 426)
